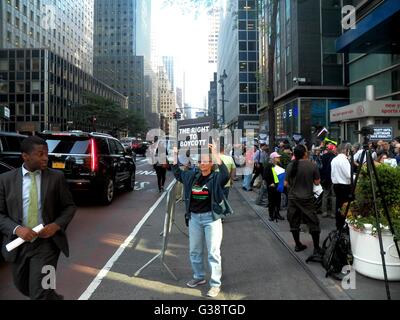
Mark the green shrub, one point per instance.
(362, 208)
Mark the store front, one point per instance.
(378, 114)
(305, 116)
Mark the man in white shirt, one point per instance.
(341, 180)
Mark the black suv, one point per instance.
(91, 162)
(3, 168)
(10, 148)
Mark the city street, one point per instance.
(95, 234)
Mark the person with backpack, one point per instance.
(204, 198)
(301, 176)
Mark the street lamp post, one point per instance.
(221, 81)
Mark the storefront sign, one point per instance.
(385, 133)
(251, 125)
(366, 109)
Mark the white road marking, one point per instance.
(103, 272)
(141, 185)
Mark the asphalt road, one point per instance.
(94, 234)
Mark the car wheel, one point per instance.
(130, 183)
(108, 191)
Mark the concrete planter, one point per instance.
(367, 257)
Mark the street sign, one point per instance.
(382, 133)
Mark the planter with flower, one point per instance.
(363, 226)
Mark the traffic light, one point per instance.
(176, 115)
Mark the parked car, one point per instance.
(4, 167)
(10, 148)
(139, 146)
(92, 162)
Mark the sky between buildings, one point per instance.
(184, 37)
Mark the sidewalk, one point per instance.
(366, 288)
(255, 265)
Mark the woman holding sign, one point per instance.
(204, 194)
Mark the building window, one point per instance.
(20, 87)
(20, 109)
(35, 86)
(35, 109)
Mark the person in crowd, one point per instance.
(328, 206)
(316, 157)
(301, 176)
(397, 153)
(259, 158)
(204, 191)
(382, 156)
(247, 169)
(160, 165)
(30, 196)
(393, 143)
(272, 174)
(286, 156)
(230, 164)
(341, 178)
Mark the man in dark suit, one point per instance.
(30, 196)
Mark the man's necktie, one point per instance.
(33, 209)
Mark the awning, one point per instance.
(378, 32)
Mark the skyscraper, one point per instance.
(214, 25)
(115, 48)
(238, 60)
(64, 27)
(143, 29)
(308, 75)
(168, 63)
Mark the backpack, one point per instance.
(336, 251)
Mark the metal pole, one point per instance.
(223, 101)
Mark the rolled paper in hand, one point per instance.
(17, 242)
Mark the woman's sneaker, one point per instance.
(196, 282)
(213, 292)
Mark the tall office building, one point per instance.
(115, 48)
(143, 29)
(213, 34)
(64, 27)
(309, 79)
(168, 63)
(41, 90)
(238, 58)
(373, 50)
(167, 99)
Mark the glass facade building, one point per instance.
(373, 50)
(64, 27)
(238, 56)
(41, 89)
(115, 49)
(309, 78)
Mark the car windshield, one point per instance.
(69, 145)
